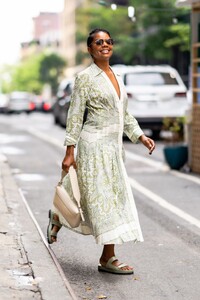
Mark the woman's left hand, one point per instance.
(147, 142)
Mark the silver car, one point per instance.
(20, 102)
(154, 92)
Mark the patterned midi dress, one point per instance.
(106, 196)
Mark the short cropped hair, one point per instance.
(93, 32)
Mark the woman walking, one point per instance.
(106, 196)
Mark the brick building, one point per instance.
(47, 28)
(194, 145)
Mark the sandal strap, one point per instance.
(110, 265)
(122, 265)
(54, 234)
(54, 222)
(57, 223)
(110, 261)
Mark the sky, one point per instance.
(16, 24)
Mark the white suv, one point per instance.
(154, 92)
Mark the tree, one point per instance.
(30, 75)
(25, 76)
(150, 39)
(50, 70)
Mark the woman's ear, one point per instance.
(90, 51)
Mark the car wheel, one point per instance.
(56, 120)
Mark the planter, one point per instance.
(176, 156)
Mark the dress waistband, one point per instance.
(91, 134)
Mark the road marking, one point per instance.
(30, 177)
(155, 164)
(161, 166)
(186, 176)
(163, 203)
(45, 137)
(60, 270)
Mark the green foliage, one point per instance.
(80, 56)
(50, 69)
(25, 76)
(150, 38)
(111, 20)
(5, 78)
(175, 126)
(30, 75)
(179, 36)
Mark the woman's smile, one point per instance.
(105, 51)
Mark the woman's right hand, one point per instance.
(69, 160)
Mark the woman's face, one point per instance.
(101, 48)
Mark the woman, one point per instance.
(106, 196)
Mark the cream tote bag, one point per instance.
(69, 207)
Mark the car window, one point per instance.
(150, 78)
(18, 97)
(69, 88)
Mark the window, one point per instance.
(150, 78)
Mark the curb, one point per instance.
(28, 270)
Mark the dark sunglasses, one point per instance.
(101, 41)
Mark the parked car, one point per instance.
(42, 104)
(154, 92)
(20, 102)
(61, 105)
(3, 103)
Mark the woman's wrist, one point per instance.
(70, 150)
(142, 137)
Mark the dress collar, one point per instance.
(96, 70)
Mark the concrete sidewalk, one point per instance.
(27, 270)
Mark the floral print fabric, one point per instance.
(106, 196)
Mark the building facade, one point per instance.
(69, 29)
(195, 83)
(69, 32)
(47, 28)
(46, 35)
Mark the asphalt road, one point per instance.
(167, 264)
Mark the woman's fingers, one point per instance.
(151, 146)
(66, 166)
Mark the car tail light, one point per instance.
(46, 106)
(31, 106)
(181, 94)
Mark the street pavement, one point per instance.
(167, 264)
(27, 268)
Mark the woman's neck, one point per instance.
(104, 65)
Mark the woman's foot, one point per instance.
(107, 254)
(114, 266)
(53, 227)
(104, 260)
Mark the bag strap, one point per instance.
(75, 187)
(74, 183)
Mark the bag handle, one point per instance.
(75, 187)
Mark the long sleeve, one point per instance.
(79, 97)
(131, 127)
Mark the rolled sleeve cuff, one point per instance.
(69, 141)
(136, 134)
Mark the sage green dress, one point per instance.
(106, 196)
